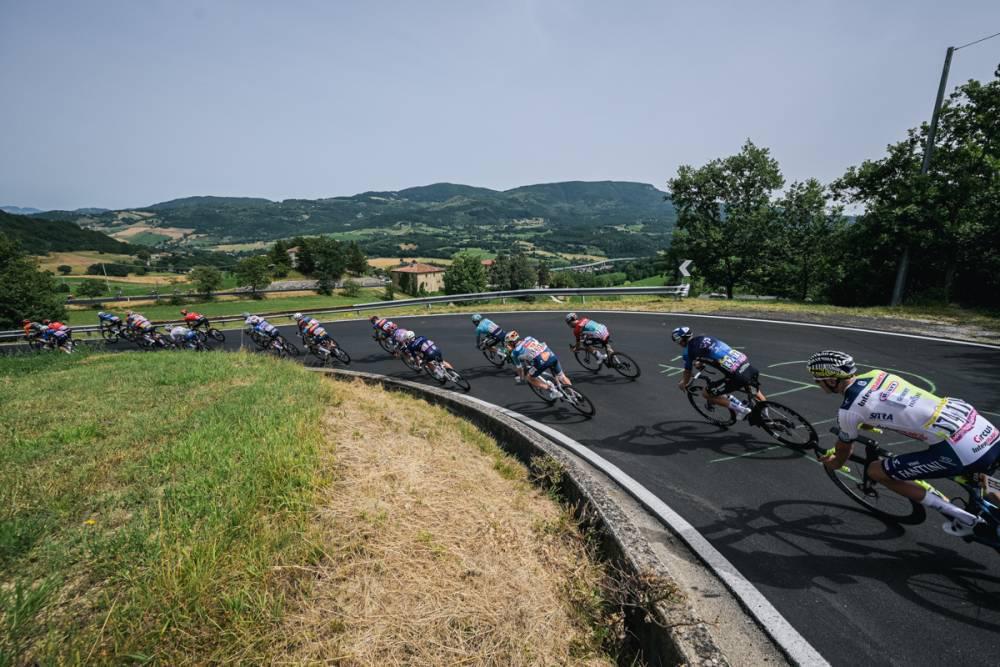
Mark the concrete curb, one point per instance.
(668, 632)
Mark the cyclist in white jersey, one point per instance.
(962, 440)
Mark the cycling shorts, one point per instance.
(433, 354)
(747, 377)
(538, 366)
(596, 337)
(495, 338)
(938, 460)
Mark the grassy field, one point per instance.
(151, 532)
(79, 260)
(244, 510)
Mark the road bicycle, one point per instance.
(780, 421)
(326, 350)
(567, 393)
(444, 373)
(153, 340)
(492, 349)
(112, 332)
(209, 332)
(277, 344)
(592, 357)
(982, 492)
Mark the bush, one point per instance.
(64, 269)
(351, 289)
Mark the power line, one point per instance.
(977, 41)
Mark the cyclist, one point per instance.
(257, 324)
(194, 320)
(185, 336)
(528, 351)
(590, 334)
(735, 366)
(310, 329)
(399, 339)
(962, 440)
(383, 327)
(423, 348)
(488, 332)
(32, 329)
(109, 320)
(55, 334)
(138, 323)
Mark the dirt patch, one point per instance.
(174, 233)
(433, 553)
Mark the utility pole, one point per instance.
(904, 261)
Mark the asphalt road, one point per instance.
(860, 590)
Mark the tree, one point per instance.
(90, 289)
(357, 263)
(206, 279)
(64, 269)
(390, 292)
(254, 272)
(25, 292)
(544, 275)
(522, 275)
(724, 212)
(352, 289)
(466, 275)
(500, 271)
(330, 264)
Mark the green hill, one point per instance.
(606, 217)
(38, 236)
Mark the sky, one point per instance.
(120, 104)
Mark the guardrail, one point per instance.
(677, 291)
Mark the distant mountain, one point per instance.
(39, 236)
(19, 210)
(605, 217)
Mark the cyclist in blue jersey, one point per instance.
(530, 353)
(423, 348)
(737, 371)
(488, 332)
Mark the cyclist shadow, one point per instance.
(486, 371)
(557, 413)
(829, 545)
(598, 379)
(680, 435)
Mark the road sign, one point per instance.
(684, 268)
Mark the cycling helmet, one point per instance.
(831, 364)
(680, 333)
(512, 337)
(410, 336)
(570, 318)
(297, 316)
(130, 313)
(46, 321)
(184, 311)
(23, 322)
(477, 318)
(244, 315)
(373, 319)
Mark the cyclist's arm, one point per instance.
(685, 379)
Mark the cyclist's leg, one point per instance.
(558, 372)
(534, 375)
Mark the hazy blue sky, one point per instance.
(120, 104)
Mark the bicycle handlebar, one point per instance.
(859, 438)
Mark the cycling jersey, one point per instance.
(195, 319)
(140, 323)
(108, 317)
(254, 320)
(318, 333)
(399, 336)
(488, 329)
(714, 352)
(266, 328)
(532, 352)
(424, 346)
(180, 334)
(588, 329)
(887, 401)
(33, 327)
(388, 327)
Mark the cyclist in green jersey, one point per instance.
(962, 440)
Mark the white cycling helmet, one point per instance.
(297, 316)
(244, 315)
(410, 336)
(831, 364)
(570, 318)
(680, 333)
(477, 318)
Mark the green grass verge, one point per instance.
(142, 519)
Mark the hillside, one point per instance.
(38, 236)
(607, 218)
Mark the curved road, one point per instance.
(860, 590)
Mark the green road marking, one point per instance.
(672, 370)
(787, 391)
(806, 385)
(823, 421)
(743, 456)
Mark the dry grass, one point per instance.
(436, 554)
(79, 260)
(174, 233)
(389, 262)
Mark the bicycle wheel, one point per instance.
(786, 425)
(579, 402)
(410, 362)
(587, 359)
(542, 393)
(877, 499)
(315, 351)
(494, 356)
(289, 347)
(217, 335)
(625, 365)
(385, 344)
(457, 379)
(110, 335)
(342, 355)
(714, 414)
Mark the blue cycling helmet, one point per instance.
(680, 333)
(477, 318)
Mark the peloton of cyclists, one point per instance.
(591, 335)
(737, 371)
(961, 439)
(530, 353)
